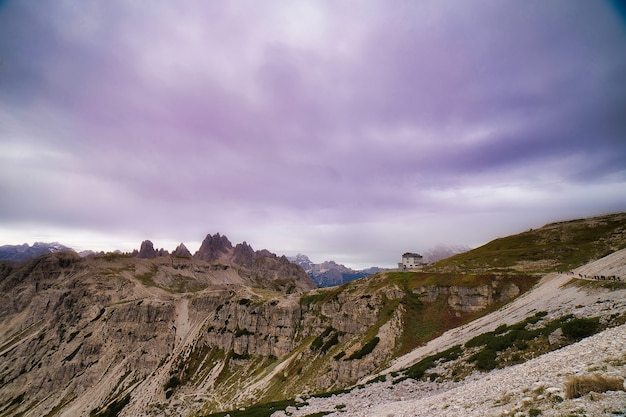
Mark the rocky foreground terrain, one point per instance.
(535, 387)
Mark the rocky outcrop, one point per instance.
(286, 276)
(469, 299)
(181, 251)
(243, 254)
(214, 248)
(147, 250)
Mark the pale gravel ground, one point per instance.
(515, 390)
(533, 384)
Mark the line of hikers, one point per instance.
(596, 277)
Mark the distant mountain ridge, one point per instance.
(330, 273)
(24, 252)
(214, 248)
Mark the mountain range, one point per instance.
(25, 252)
(330, 273)
(231, 330)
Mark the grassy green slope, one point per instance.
(557, 246)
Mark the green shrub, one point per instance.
(480, 340)
(418, 370)
(498, 343)
(172, 383)
(450, 354)
(521, 345)
(365, 350)
(242, 357)
(334, 340)
(242, 332)
(485, 359)
(501, 329)
(113, 409)
(317, 343)
(580, 328)
(326, 332)
(259, 410)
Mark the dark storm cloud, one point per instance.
(304, 125)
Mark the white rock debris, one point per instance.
(537, 384)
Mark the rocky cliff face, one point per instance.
(469, 299)
(175, 335)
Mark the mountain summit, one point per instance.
(330, 273)
(214, 247)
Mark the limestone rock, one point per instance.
(181, 251)
(214, 248)
(470, 299)
(243, 254)
(147, 250)
(556, 337)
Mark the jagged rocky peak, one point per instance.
(181, 251)
(213, 248)
(147, 250)
(243, 254)
(303, 261)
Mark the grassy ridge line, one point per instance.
(557, 246)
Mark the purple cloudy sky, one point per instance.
(345, 130)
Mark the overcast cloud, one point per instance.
(345, 130)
